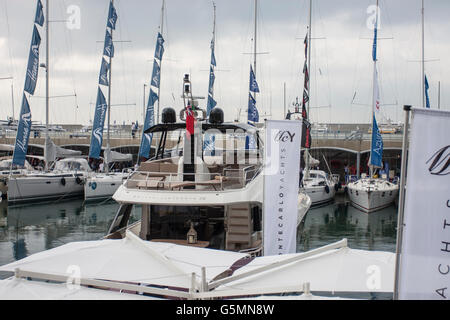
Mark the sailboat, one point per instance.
(373, 193)
(66, 180)
(320, 186)
(103, 185)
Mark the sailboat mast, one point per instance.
(423, 55)
(161, 29)
(106, 156)
(373, 82)
(214, 39)
(309, 86)
(47, 87)
(254, 38)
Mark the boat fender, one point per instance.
(339, 185)
(94, 185)
(63, 181)
(327, 189)
(78, 180)
(346, 189)
(336, 187)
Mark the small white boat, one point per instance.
(319, 186)
(66, 180)
(372, 194)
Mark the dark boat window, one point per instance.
(173, 222)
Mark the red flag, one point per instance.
(189, 120)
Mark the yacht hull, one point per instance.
(44, 187)
(102, 186)
(319, 195)
(370, 199)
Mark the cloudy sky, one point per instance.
(341, 65)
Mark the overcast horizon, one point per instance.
(341, 61)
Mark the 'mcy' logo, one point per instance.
(440, 162)
(284, 136)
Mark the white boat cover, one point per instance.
(130, 259)
(117, 156)
(337, 270)
(169, 265)
(21, 289)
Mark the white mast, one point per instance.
(47, 137)
(423, 55)
(374, 83)
(254, 38)
(108, 146)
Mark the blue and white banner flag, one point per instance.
(213, 57)
(97, 127)
(33, 63)
(376, 147)
(253, 84)
(146, 141)
(156, 74)
(109, 45)
(103, 78)
(23, 134)
(427, 97)
(39, 19)
(211, 104)
(212, 78)
(112, 17)
(376, 153)
(253, 114)
(159, 49)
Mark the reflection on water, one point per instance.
(331, 223)
(31, 228)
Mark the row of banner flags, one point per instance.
(146, 140)
(24, 126)
(101, 106)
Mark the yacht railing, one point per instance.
(229, 179)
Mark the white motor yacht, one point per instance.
(66, 180)
(218, 198)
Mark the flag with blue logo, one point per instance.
(23, 133)
(109, 45)
(159, 49)
(253, 114)
(97, 127)
(376, 152)
(103, 78)
(253, 84)
(427, 97)
(112, 16)
(33, 63)
(39, 19)
(213, 57)
(156, 74)
(146, 141)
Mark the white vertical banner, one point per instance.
(281, 180)
(425, 254)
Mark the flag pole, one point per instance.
(401, 202)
